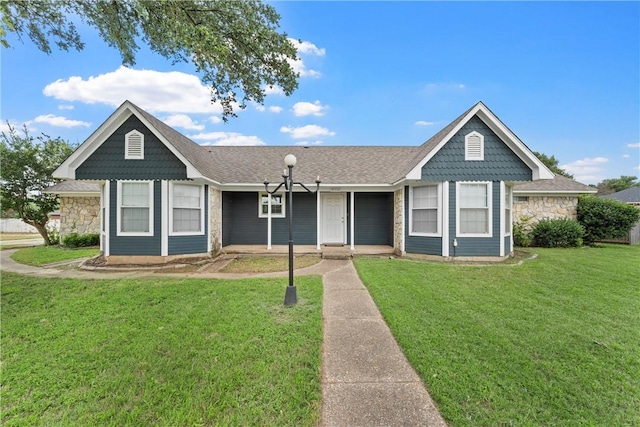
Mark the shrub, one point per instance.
(54, 235)
(75, 240)
(558, 233)
(605, 218)
(522, 232)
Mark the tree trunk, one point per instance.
(42, 229)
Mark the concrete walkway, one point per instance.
(366, 379)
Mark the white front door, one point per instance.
(333, 218)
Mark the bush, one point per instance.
(54, 235)
(75, 240)
(605, 218)
(522, 232)
(558, 233)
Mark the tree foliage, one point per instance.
(552, 163)
(234, 45)
(605, 218)
(613, 185)
(27, 164)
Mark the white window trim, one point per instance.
(119, 211)
(171, 206)
(508, 191)
(466, 146)
(269, 213)
(490, 208)
(126, 145)
(438, 232)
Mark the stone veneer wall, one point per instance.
(541, 207)
(398, 211)
(215, 224)
(79, 215)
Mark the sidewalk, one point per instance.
(366, 379)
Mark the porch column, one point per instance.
(268, 222)
(445, 219)
(318, 219)
(352, 219)
(164, 218)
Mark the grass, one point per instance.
(159, 352)
(268, 264)
(554, 341)
(41, 255)
(18, 236)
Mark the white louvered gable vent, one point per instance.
(134, 145)
(474, 146)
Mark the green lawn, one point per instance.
(41, 255)
(159, 352)
(555, 341)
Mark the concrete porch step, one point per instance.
(336, 252)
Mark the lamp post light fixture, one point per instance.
(290, 296)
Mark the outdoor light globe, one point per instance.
(290, 160)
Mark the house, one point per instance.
(161, 195)
(630, 196)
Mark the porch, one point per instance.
(324, 252)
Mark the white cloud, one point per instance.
(302, 109)
(424, 123)
(588, 170)
(154, 91)
(227, 138)
(636, 145)
(183, 121)
(215, 119)
(625, 156)
(65, 107)
(431, 88)
(273, 90)
(60, 121)
(260, 107)
(305, 48)
(275, 109)
(306, 132)
(308, 143)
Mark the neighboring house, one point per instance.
(630, 196)
(162, 195)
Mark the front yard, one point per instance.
(159, 352)
(555, 341)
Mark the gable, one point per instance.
(109, 161)
(498, 163)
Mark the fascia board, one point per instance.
(324, 188)
(554, 193)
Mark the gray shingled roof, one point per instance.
(559, 184)
(630, 195)
(73, 187)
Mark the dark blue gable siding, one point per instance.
(108, 161)
(373, 220)
(134, 245)
(419, 244)
(242, 226)
(192, 244)
(499, 164)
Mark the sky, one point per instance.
(563, 76)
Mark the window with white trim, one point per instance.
(474, 146)
(135, 208)
(277, 205)
(474, 209)
(424, 208)
(507, 210)
(186, 209)
(134, 145)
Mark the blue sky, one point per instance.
(563, 76)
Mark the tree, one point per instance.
(27, 166)
(552, 163)
(613, 185)
(234, 45)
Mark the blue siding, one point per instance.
(241, 225)
(500, 163)
(419, 244)
(373, 219)
(507, 245)
(192, 244)
(108, 161)
(476, 246)
(134, 245)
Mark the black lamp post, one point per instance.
(290, 297)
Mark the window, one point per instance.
(424, 210)
(134, 145)
(277, 205)
(520, 198)
(135, 208)
(507, 210)
(474, 209)
(186, 209)
(474, 146)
